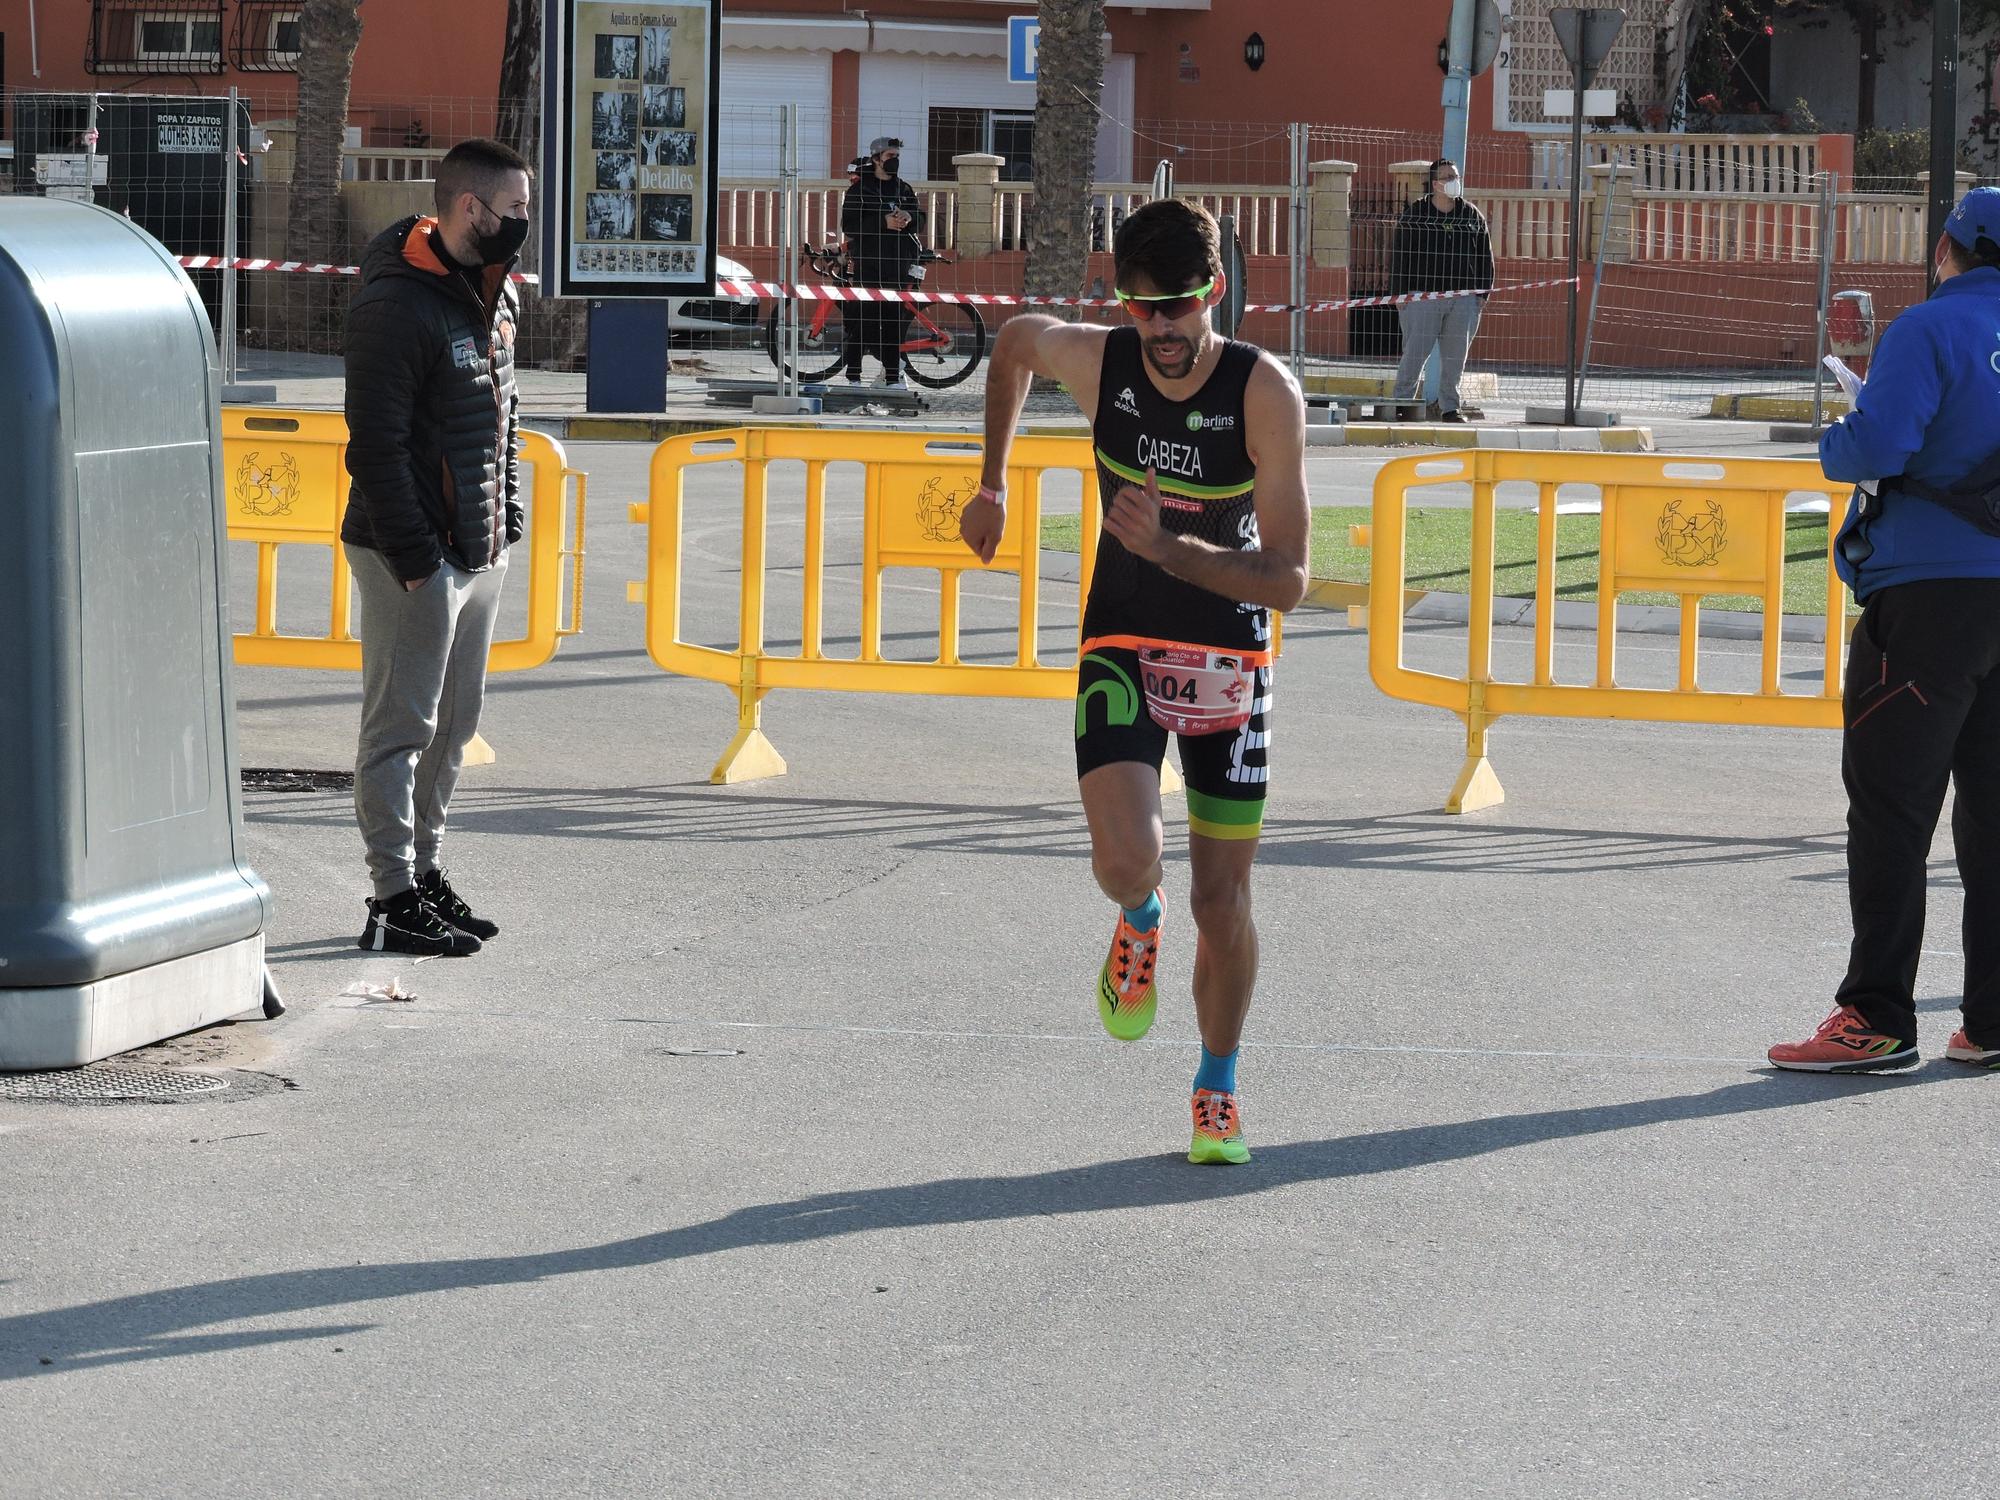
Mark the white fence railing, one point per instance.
(1744, 228)
(748, 212)
(1525, 223)
(1755, 164)
(390, 164)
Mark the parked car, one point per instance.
(719, 321)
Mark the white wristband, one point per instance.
(987, 492)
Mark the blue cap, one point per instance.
(1977, 215)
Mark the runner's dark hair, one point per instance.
(1174, 244)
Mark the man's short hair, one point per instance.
(1174, 244)
(476, 166)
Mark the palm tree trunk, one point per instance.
(551, 330)
(1068, 82)
(315, 227)
(329, 31)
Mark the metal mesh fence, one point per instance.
(1704, 286)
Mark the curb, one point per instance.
(1570, 614)
(1460, 435)
(1778, 408)
(1472, 385)
(1335, 435)
(659, 429)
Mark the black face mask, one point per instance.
(501, 246)
(890, 166)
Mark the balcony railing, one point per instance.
(266, 36)
(154, 37)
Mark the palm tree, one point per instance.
(1069, 78)
(550, 330)
(329, 31)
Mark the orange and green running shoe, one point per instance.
(1961, 1049)
(1844, 1043)
(1218, 1130)
(1125, 989)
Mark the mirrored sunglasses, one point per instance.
(1167, 305)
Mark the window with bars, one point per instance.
(154, 36)
(266, 39)
(959, 131)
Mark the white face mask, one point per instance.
(1451, 189)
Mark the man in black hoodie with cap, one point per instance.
(883, 223)
(433, 448)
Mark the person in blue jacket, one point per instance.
(1921, 699)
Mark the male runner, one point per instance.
(1201, 466)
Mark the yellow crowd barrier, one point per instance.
(915, 486)
(285, 474)
(1691, 527)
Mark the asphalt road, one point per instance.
(774, 1147)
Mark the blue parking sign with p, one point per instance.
(1024, 43)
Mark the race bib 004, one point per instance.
(1191, 690)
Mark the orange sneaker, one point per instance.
(1126, 995)
(1218, 1130)
(1844, 1044)
(1958, 1049)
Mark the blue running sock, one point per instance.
(1216, 1074)
(1146, 915)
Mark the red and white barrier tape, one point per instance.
(725, 287)
(730, 288)
(307, 268)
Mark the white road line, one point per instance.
(1171, 1042)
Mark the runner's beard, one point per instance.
(1172, 356)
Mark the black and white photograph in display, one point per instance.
(618, 170)
(609, 216)
(658, 45)
(614, 120)
(665, 216)
(670, 148)
(666, 108)
(618, 55)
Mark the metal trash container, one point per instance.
(1850, 329)
(127, 910)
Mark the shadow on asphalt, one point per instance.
(1427, 842)
(161, 1324)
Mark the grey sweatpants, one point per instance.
(1449, 322)
(423, 680)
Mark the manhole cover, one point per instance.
(109, 1083)
(273, 779)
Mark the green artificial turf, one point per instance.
(1438, 543)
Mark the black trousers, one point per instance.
(1921, 706)
(875, 328)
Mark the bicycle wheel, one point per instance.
(821, 344)
(944, 343)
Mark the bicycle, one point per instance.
(943, 344)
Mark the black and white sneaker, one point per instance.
(448, 904)
(405, 923)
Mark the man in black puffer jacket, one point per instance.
(433, 447)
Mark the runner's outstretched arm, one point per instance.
(1275, 574)
(1030, 345)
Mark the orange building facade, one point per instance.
(931, 71)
